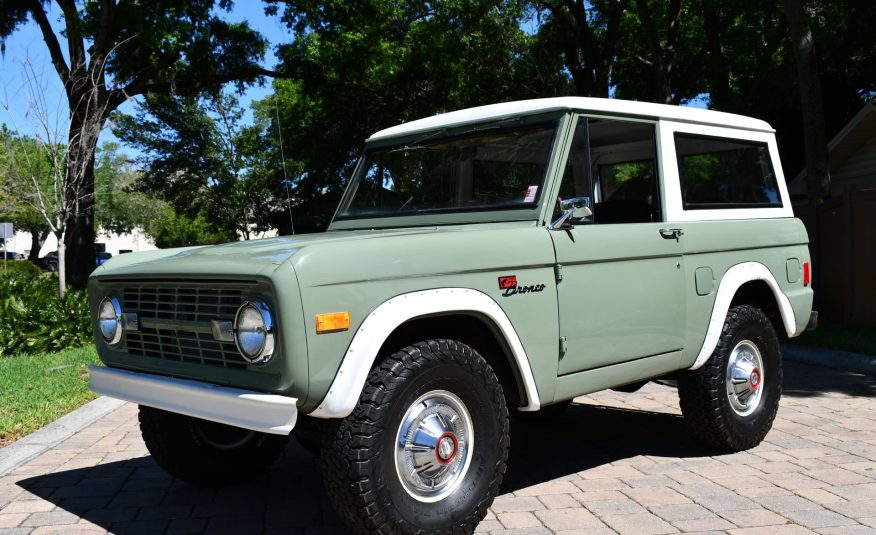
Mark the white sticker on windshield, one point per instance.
(530, 194)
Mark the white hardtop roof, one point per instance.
(585, 104)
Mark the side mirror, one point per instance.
(574, 210)
(562, 222)
(582, 212)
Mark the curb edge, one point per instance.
(840, 360)
(41, 440)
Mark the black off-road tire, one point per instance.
(703, 394)
(358, 465)
(205, 453)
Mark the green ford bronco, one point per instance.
(503, 258)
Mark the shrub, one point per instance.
(20, 268)
(33, 320)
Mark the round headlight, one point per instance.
(109, 316)
(254, 332)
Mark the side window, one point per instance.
(725, 173)
(612, 169)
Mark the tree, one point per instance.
(589, 34)
(120, 206)
(362, 66)
(742, 53)
(173, 230)
(660, 52)
(31, 176)
(15, 202)
(123, 206)
(814, 131)
(117, 51)
(197, 157)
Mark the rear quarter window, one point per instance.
(719, 172)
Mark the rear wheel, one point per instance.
(207, 453)
(424, 451)
(731, 401)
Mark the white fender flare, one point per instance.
(344, 392)
(732, 280)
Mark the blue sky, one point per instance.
(26, 46)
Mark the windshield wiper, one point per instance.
(417, 145)
(491, 126)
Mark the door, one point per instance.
(621, 297)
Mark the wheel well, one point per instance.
(474, 331)
(758, 293)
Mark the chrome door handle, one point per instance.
(671, 233)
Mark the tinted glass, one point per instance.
(493, 169)
(725, 173)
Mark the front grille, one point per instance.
(198, 303)
(184, 346)
(194, 307)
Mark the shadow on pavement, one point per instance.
(587, 436)
(805, 380)
(136, 496)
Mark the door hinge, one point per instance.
(558, 272)
(564, 346)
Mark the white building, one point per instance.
(114, 243)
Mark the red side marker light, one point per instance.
(806, 275)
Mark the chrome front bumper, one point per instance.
(268, 413)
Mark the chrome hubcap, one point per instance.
(446, 448)
(433, 446)
(745, 378)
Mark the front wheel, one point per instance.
(424, 451)
(206, 453)
(731, 401)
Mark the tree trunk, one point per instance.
(662, 53)
(62, 264)
(720, 95)
(79, 232)
(814, 130)
(37, 239)
(88, 109)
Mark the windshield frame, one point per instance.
(497, 214)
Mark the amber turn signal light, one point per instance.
(333, 322)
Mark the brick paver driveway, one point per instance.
(614, 463)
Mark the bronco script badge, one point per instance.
(509, 284)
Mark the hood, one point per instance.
(252, 257)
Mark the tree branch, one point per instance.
(673, 31)
(141, 85)
(104, 31)
(75, 41)
(36, 9)
(650, 30)
(640, 59)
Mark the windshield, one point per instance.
(484, 169)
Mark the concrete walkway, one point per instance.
(615, 463)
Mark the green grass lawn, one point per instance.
(840, 337)
(36, 390)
